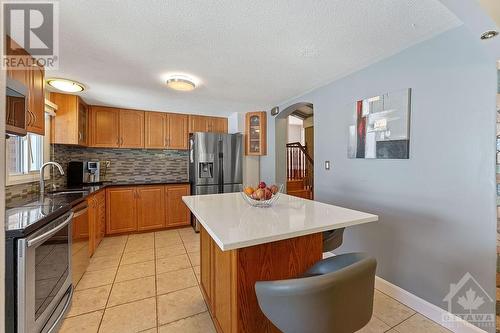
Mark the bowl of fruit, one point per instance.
(261, 195)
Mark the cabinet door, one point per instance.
(82, 123)
(121, 210)
(255, 133)
(131, 129)
(105, 127)
(37, 101)
(218, 125)
(100, 223)
(150, 207)
(198, 124)
(224, 304)
(92, 217)
(177, 131)
(177, 211)
(81, 225)
(207, 269)
(156, 130)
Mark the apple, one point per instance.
(259, 194)
(262, 185)
(268, 194)
(274, 189)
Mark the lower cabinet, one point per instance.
(149, 207)
(96, 219)
(121, 210)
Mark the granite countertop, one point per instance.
(233, 223)
(27, 214)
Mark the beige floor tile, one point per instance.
(89, 300)
(188, 230)
(180, 304)
(87, 323)
(109, 251)
(169, 251)
(139, 245)
(142, 236)
(116, 240)
(151, 330)
(176, 280)
(389, 310)
(190, 238)
(132, 290)
(138, 256)
(96, 279)
(131, 317)
(197, 272)
(192, 246)
(200, 323)
(420, 324)
(194, 258)
(167, 233)
(375, 325)
(172, 264)
(101, 263)
(135, 271)
(168, 240)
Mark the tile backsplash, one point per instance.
(125, 165)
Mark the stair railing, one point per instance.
(300, 165)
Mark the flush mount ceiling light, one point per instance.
(66, 85)
(489, 34)
(181, 83)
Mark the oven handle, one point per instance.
(48, 234)
(63, 312)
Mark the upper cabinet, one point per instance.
(32, 78)
(166, 130)
(131, 128)
(104, 127)
(255, 133)
(36, 101)
(207, 124)
(70, 125)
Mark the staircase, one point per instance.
(300, 171)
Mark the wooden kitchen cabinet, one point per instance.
(121, 210)
(256, 133)
(217, 124)
(150, 207)
(100, 223)
(36, 101)
(81, 222)
(207, 124)
(177, 131)
(104, 127)
(131, 129)
(70, 125)
(166, 130)
(177, 212)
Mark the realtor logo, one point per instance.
(34, 27)
(468, 300)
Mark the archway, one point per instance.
(302, 110)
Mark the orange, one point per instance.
(249, 190)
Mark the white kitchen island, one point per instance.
(241, 244)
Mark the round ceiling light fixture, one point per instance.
(181, 83)
(489, 34)
(66, 85)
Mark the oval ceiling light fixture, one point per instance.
(65, 85)
(489, 34)
(181, 82)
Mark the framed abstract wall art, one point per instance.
(381, 127)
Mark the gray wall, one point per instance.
(437, 210)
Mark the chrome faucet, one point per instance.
(42, 180)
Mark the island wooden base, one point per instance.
(228, 278)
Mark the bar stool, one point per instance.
(332, 239)
(334, 296)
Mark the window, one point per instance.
(25, 156)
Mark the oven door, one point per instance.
(44, 276)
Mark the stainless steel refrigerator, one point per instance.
(215, 163)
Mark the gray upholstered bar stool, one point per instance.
(332, 239)
(334, 296)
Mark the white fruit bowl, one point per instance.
(262, 203)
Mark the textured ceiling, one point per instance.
(249, 55)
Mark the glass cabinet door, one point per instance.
(82, 123)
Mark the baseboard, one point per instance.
(425, 308)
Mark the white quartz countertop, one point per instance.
(234, 224)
